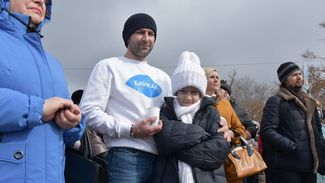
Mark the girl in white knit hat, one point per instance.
(190, 148)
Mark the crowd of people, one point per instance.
(198, 125)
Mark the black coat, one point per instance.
(291, 133)
(198, 144)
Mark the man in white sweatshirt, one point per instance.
(115, 102)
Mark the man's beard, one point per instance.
(140, 53)
(295, 88)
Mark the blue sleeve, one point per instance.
(74, 134)
(19, 111)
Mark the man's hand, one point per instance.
(69, 117)
(143, 128)
(52, 106)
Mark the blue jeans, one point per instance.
(127, 165)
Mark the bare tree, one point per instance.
(316, 80)
(308, 55)
(251, 95)
(232, 76)
(311, 55)
(316, 74)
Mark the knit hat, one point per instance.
(76, 96)
(138, 21)
(286, 69)
(226, 87)
(189, 73)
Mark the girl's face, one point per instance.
(188, 96)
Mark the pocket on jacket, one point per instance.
(12, 162)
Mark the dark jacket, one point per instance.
(197, 144)
(291, 133)
(244, 118)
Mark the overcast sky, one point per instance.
(250, 36)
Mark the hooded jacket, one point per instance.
(198, 144)
(30, 149)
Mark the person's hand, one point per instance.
(224, 126)
(69, 117)
(248, 134)
(144, 129)
(228, 135)
(53, 105)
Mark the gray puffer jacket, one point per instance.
(198, 144)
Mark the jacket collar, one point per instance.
(309, 103)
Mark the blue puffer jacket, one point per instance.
(30, 150)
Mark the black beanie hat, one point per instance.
(76, 96)
(138, 21)
(226, 87)
(286, 69)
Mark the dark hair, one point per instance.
(225, 86)
(76, 96)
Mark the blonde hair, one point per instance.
(208, 71)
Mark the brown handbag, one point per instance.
(243, 161)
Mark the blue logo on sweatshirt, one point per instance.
(145, 85)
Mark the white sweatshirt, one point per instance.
(118, 93)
